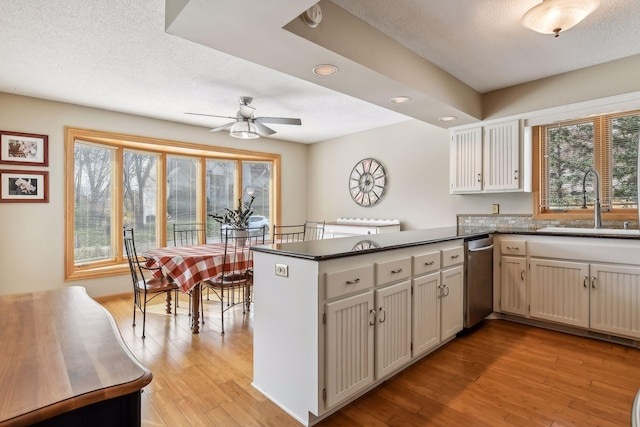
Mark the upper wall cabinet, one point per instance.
(487, 158)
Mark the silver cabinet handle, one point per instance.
(446, 294)
(584, 281)
(382, 319)
(439, 291)
(396, 271)
(479, 178)
(522, 274)
(353, 282)
(373, 312)
(593, 282)
(515, 174)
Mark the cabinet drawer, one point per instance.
(513, 247)
(452, 256)
(390, 271)
(339, 283)
(426, 263)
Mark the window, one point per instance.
(567, 151)
(115, 181)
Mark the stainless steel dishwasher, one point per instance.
(478, 287)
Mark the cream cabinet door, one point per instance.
(466, 161)
(501, 154)
(425, 328)
(560, 291)
(349, 335)
(615, 299)
(393, 327)
(513, 285)
(451, 310)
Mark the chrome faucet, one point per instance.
(597, 211)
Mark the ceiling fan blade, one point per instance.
(227, 126)
(266, 131)
(211, 115)
(278, 120)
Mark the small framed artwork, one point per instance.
(19, 186)
(23, 149)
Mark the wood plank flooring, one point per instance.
(502, 374)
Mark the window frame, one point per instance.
(118, 265)
(602, 163)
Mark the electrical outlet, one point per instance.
(495, 208)
(282, 270)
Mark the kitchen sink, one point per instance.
(596, 231)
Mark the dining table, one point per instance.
(190, 266)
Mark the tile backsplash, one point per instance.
(519, 222)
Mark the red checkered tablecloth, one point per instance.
(190, 265)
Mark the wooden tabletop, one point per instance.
(61, 350)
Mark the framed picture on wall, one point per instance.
(20, 186)
(24, 148)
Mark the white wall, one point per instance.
(415, 156)
(32, 234)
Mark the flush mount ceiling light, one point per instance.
(447, 118)
(554, 16)
(244, 129)
(325, 70)
(400, 99)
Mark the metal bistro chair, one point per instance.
(189, 233)
(145, 289)
(288, 233)
(314, 230)
(237, 270)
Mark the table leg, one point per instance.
(169, 302)
(195, 309)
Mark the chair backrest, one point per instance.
(288, 233)
(314, 230)
(132, 257)
(189, 234)
(237, 247)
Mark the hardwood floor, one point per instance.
(502, 374)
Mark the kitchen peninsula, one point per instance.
(334, 318)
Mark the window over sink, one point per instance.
(565, 151)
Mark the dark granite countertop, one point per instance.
(319, 250)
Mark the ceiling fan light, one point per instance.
(244, 129)
(554, 16)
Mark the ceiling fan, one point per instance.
(245, 125)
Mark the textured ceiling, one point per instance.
(117, 56)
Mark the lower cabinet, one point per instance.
(437, 308)
(513, 285)
(600, 297)
(560, 292)
(359, 331)
(349, 346)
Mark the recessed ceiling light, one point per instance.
(400, 99)
(447, 118)
(325, 70)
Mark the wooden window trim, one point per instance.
(601, 129)
(163, 147)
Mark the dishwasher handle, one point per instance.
(483, 248)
